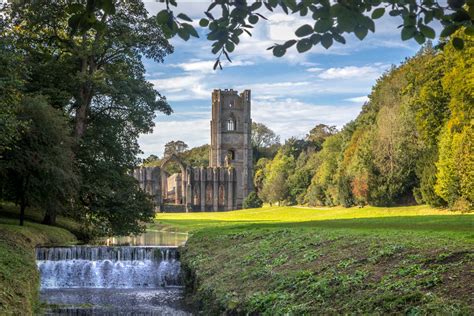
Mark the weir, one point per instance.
(124, 267)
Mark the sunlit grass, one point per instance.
(408, 218)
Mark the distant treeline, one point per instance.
(413, 142)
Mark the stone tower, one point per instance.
(230, 138)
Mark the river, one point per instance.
(118, 276)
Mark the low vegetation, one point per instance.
(19, 278)
(289, 260)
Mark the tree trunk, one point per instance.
(49, 217)
(22, 211)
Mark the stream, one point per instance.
(118, 276)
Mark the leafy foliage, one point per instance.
(411, 143)
(252, 201)
(228, 20)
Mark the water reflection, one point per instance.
(149, 238)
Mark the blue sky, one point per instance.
(290, 94)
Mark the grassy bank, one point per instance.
(19, 279)
(309, 261)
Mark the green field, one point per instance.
(19, 278)
(291, 260)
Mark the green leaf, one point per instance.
(203, 22)
(163, 17)
(253, 19)
(378, 13)
(323, 25)
(427, 31)
(326, 40)
(183, 34)
(408, 32)
(304, 30)
(183, 16)
(190, 29)
(420, 38)
(304, 45)
(289, 43)
(448, 30)
(458, 43)
(279, 51)
(360, 31)
(229, 46)
(339, 38)
(315, 38)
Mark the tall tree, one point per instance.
(265, 142)
(96, 75)
(175, 147)
(38, 169)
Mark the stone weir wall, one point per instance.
(204, 189)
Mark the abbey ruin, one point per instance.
(224, 184)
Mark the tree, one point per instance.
(175, 147)
(95, 74)
(265, 142)
(275, 186)
(109, 44)
(318, 134)
(227, 20)
(38, 169)
(252, 201)
(455, 167)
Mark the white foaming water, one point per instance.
(108, 267)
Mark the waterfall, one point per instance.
(108, 267)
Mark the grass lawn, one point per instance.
(290, 260)
(19, 278)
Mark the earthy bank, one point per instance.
(19, 278)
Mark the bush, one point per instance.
(252, 201)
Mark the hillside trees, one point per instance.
(412, 141)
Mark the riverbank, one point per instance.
(19, 278)
(304, 261)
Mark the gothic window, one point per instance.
(209, 196)
(197, 195)
(231, 104)
(221, 195)
(231, 154)
(231, 124)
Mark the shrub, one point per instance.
(252, 201)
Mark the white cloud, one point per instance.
(181, 88)
(361, 99)
(314, 69)
(350, 72)
(288, 117)
(291, 117)
(206, 66)
(192, 132)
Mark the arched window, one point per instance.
(231, 124)
(231, 154)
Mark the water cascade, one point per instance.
(100, 267)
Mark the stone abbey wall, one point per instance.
(205, 189)
(227, 181)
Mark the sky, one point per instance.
(290, 95)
